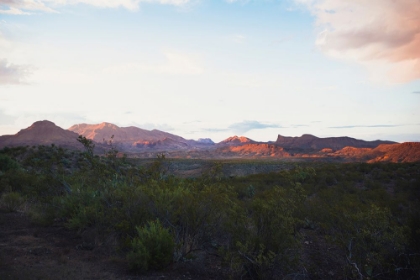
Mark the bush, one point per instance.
(6, 163)
(153, 247)
(11, 201)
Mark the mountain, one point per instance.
(131, 134)
(235, 140)
(146, 143)
(41, 133)
(308, 142)
(131, 138)
(205, 141)
(254, 150)
(404, 152)
(162, 144)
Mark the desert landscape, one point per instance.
(104, 202)
(201, 139)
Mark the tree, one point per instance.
(87, 144)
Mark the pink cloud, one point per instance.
(384, 33)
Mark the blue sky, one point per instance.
(214, 68)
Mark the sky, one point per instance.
(214, 68)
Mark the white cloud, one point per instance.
(13, 74)
(383, 35)
(19, 7)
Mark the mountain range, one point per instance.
(137, 142)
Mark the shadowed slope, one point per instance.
(311, 142)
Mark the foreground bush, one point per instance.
(152, 248)
(11, 201)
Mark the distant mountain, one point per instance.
(404, 152)
(41, 133)
(206, 141)
(235, 140)
(253, 150)
(308, 142)
(163, 144)
(131, 138)
(146, 143)
(131, 134)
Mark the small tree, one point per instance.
(87, 144)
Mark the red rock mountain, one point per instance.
(131, 138)
(308, 142)
(131, 134)
(254, 150)
(41, 133)
(235, 140)
(404, 152)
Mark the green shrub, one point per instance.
(11, 201)
(152, 248)
(6, 163)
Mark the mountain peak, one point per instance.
(308, 136)
(237, 140)
(107, 125)
(41, 133)
(205, 141)
(44, 123)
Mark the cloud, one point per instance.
(382, 35)
(245, 126)
(357, 126)
(24, 7)
(12, 73)
(416, 92)
(20, 7)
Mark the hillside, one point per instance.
(130, 138)
(404, 152)
(41, 133)
(255, 150)
(308, 142)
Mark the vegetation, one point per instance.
(313, 221)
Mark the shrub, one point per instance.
(6, 163)
(152, 248)
(11, 201)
